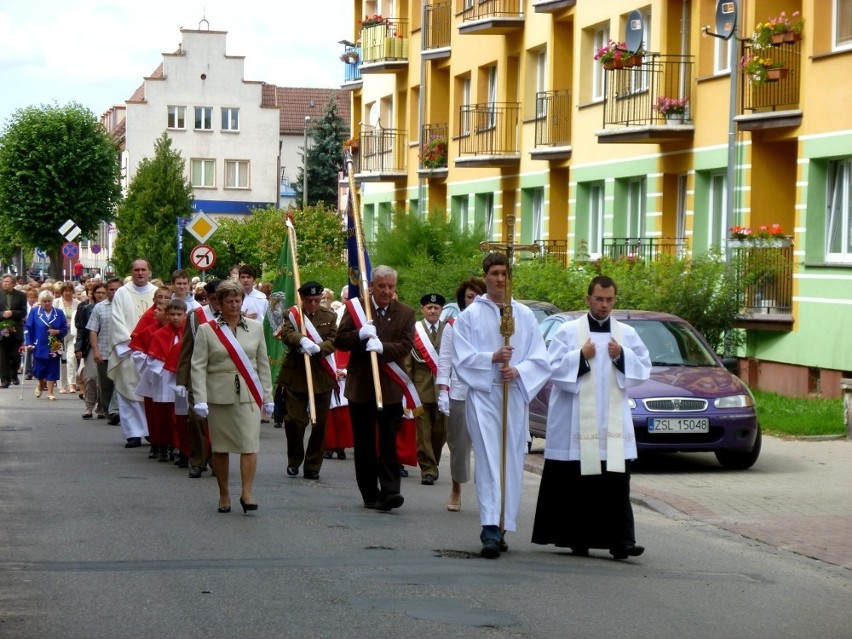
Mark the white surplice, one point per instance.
(476, 336)
(563, 421)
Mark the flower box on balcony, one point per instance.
(773, 75)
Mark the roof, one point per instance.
(295, 103)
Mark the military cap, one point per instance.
(433, 298)
(311, 288)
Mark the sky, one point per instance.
(97, 52)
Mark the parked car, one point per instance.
(691, 403)
(542, 310)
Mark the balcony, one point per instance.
(351, 58)
(492, 17)
(648, 249)
(552, 125)
(631, 94)
(384, 46)
(437, 29)
(488, 134)
(554, 250)
(434, 151)
(764, 271)
(766, 103)
(552, 6)
(382, 155)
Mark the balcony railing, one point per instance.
(483, 9)
(438, 25)
(757, 95)
(385, 41)
(648, 249)
(490, 128)
(382, 150)
(553, 118)
(434, 146)
(632, 92)
(351, 59)
(765, 276)
(555, 250)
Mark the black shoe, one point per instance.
(87, 416)
(372, 505)
(155, 450)
(17, 381)
(389, 502)
(247, 507)
(164, 454)
(490, 548)
(224, 509)
(195, 472)
(504, 547)
(292, 471)
(623, 552)
(403, 472)
(276, 425)
(310, 474)
(327, 454)
(428, 480)
(341, 454)
(183, 461)
(114, 420)
(133, 442)
(580, 551)
(4, 384)
(28, 376)
(101, 416)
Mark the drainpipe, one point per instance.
(421, 105)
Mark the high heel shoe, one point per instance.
(224, 509)
(454, 506)
(247, 507)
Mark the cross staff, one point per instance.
(507, 329)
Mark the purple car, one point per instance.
(691, 403)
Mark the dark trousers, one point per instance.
(10, 357)
(198, 438)
(295, 423)
(376, 462)
(280, 404)
(105, 386)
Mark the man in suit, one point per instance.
(422, 367)
(14, 305)
(391, 336)
(321, 325)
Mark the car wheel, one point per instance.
(740, 460)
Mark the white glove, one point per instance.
(180, 391)
(201, 409)
(308, 346)
(269, 408)
(444, 402)
(374, 345)
(367, 331)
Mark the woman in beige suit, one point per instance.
(233, 413)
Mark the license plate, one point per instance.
(679, 425)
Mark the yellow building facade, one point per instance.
(491, 108)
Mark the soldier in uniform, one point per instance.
(321, 329)
(422, 367)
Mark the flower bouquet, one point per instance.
(55, 345)
(7, 327)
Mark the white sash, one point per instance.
(423, 347)
(590, 461)
(240, 359)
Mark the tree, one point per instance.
(325, 158)
(147, 220)
(56, 163)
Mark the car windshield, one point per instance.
(672, 344)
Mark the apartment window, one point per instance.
(540, 82)
(843, 24)
(718, 207)
(464, 128)
(203, 118)
(636, 208)
(177, 117)
(596, 219)
(537, 214)
(839, 214)
(230, 119)
(236, 174)
(492, 97)
(600, 40)
(484, 213)
(722, 55)
(203, 173)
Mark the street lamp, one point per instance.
(305, 169)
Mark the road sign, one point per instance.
(95, 248)
(202, 226)
(203, 257)
(70, 250)
(69, 230)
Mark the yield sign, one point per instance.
(203, 257)
(202, 226)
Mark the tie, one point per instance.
(381, 312)
(434, 330)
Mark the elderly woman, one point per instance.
(68, 304)
(46, 329)
(231, 384)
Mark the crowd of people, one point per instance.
(185, 368)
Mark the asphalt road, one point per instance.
(98, 541)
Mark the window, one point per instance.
(600, 40)
(484, 213)
(230, 119)
(843, 24)
(540, 83)
(492, 97)
(464, 128)
(596, 219)
(839, 213)
(236, 174)
(537, 215)
(718, 206)
(722, 55)
(177, 117)
(203, 173)
(636, 208)
(682, 185)
(203, 118)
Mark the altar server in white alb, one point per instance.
(584, 498)
(479, 356)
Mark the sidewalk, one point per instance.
(798, 496)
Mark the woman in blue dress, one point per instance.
(46, 328)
